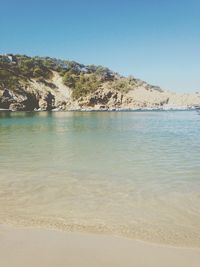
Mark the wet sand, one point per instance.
(49, 248)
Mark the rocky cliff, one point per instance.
(28, 84)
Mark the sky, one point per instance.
(155, 40)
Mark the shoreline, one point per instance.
(109, 110)
(42, 248)
(70, 229)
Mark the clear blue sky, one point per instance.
(155, 40)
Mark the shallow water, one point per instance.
(134, 174)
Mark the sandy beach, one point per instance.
(48, 248)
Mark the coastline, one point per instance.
(193, 108)
(42, 248)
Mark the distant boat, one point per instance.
(196, 107)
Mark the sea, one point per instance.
(130, 174)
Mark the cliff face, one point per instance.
(44, 84)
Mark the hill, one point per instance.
(44, 83)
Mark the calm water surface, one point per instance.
(134, 174)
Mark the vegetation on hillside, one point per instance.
(81, 84)
(124, 84)
(18, 70)
(86, 81)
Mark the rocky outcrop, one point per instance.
(41, 97)
(47, 102)
(102, 99)
(138, 98)
(18, 107)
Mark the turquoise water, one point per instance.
(133, 174)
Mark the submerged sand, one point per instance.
(49, 248)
